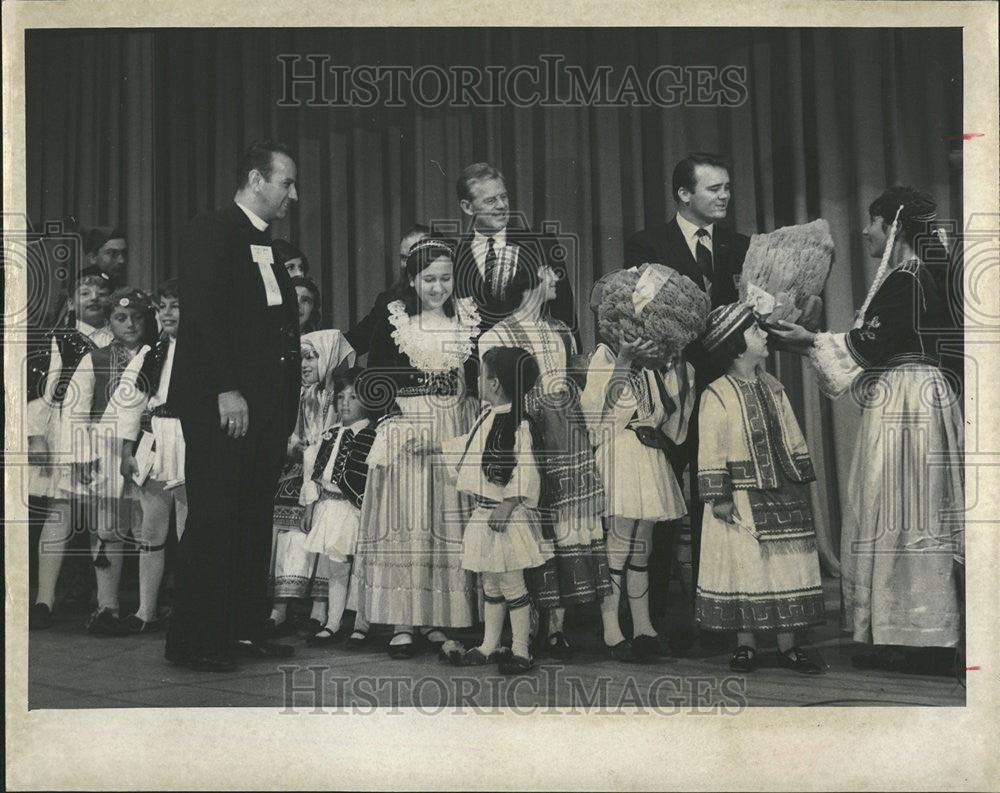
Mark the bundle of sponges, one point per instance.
(652, 302)
(784, 273)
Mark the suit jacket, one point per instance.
(230, 339)
(540, 248)
(665, 244)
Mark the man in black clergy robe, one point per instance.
(496, 241)
(235, 386)
(694, 244)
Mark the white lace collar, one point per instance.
(439, 349)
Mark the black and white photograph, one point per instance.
(590, 390)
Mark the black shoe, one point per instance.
(621, 652)
(744, 659)
(795, 659)
(650, 647)
(135, 624)
(324, 637)
(211, 663)
(358, 640)
(263, 649)
(278, 630)
(514, 664)
(558, 646)
(103, 623)
(310, 628)
(39, 617)
(402, 652)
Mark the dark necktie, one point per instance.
(491, 270)
(704, 255)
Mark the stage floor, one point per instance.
(68, 669)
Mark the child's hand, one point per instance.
(723, 510)
(129, 467)
(628, 351)
(419, 446)
(500, 515)
(85, 472)
(38, 450)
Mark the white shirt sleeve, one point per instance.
(525, 482)
(75, 420)
(129, 400)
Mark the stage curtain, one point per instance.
(143, 128)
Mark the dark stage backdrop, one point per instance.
(143, 128)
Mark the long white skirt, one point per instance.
(903, 531)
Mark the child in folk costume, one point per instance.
(573, 492)
(143, 396)
(332, 492)
(495, 462)
(299, 572)
(50, 369)
(632, 413)
(759, 565)
(90, 431)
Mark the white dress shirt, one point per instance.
(480, 246)
(258, 223)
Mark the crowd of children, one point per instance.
(439, 488)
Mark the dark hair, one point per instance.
(421, 256)
(526, 277)
(95, 239)
(915, 218)
(729, 349)
(476, 172)
(315, 317)
(684, 175)
(517, 370)
(143, 304)
(416, 228)
(168, 288)
(348, 378)
(259, 157)
(284, 252)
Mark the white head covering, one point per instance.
(333, 350)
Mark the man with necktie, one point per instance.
(498, 238)
(696, 245)
(235, 386)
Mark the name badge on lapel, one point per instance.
(263, 257)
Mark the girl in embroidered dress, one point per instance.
(903, 535)
(412, 516)
(573, 492)
(162, 487)
(495, 463)
(625, 405)
(299, 572)
(333, 491)
(90, 432)
(759, 565)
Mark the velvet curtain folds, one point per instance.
(143, 128)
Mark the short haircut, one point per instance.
(284, 251)
(476, 172)
(168, 289)
(88, 277)
(95, 239)
(684, 170)
(349, 378)
(416, 228)
(259, 157)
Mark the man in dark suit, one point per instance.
(711, 255)
(497, 239)
(235, 386)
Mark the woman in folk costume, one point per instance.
(632, 411)
(759, 565)
(573, 492)
(333, 491)
(903, 535)
(412, 516)
(90, 430)
(297, 571)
